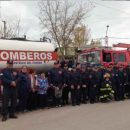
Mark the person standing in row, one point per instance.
(24, 87)
(122, 81)
(84, 85)
(32, 100)
(55, 79)
(42, 86)
(75, 83)
(106, 90)
(93, 85)
(9, 81)
(66, 81)
(55, 75)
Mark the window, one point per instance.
(119, 57)
(90, 57)
(106, 57)
(115, 56)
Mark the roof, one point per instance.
(101, 49)
(25, 45)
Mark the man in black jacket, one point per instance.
(93, 81)
(84, 85)
(66, 81)
(55, 78)
(9, 79)
(75, 82)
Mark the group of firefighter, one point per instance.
(65, 83)
(95, 83)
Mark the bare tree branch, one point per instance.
(13, 28)
(61, 18)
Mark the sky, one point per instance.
(116, 14)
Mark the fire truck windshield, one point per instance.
(90, 57)
(119, 57)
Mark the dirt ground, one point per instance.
(110, 116)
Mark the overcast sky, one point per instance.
(116, 14)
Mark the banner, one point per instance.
(16, 55)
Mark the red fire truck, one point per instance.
(105, 56)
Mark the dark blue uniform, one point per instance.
(128, 74)
(9, 92)
(99, 77)
(24, 86)
(55, 79)
(93, 81)
(84, 86)
(114, 79)
(66, 82)
(126, 84)
(75, 82)
(121, 82)
(55, 76)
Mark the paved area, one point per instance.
(111, 116)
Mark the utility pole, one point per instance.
(4, 29)
(106, 37)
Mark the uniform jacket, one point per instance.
(24, 82)
(55, 76)
(75, 78)
(7, 77)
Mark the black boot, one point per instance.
(4, 118)
(13, 116)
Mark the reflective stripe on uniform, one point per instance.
(103, 89)
(104, 96)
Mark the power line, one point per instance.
(112, 8)
(118, 38)
(102, 38)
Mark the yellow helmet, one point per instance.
(106, 75)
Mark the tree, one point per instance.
(13, 28)
(81, 36)
(61, 18)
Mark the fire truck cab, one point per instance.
(104, 56)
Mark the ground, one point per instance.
(110, 116)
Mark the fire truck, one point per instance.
(106, 56)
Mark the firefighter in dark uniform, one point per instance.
(84, 85)
(128, 74)
(93, 85)
(75, 85)
(66, 84)
(55, 79)
(55, 75)
(9, 81)
(99, 77)
(126, 83)
(121, 82)
(114, 79)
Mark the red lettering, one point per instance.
(27, 55)
(36, 56)
(4, 55)
(43, 56)
(30, 55)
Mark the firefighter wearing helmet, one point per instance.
(106, 91)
